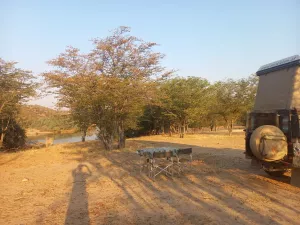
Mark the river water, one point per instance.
(61, 138)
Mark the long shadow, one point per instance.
(216, 156)
(182, 190)
(227, 158)
(78, 212)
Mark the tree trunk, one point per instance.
(106, 137)
(163, 128)
(2, 133)
(1, 140)
(107, 142)
(230, 127)
(121, 143)
(83, 135)
(182, 130)
(200, 129)
(170, 129)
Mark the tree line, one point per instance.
(44, 119)
(121, 87)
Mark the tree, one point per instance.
(15, 136)
(129, 67)
(113, 82)
(16, 86)
(185, 101)
(75, 83)
(233, 98)
(152, 121)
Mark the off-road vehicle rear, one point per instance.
(273, 128)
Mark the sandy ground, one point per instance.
(79, 183)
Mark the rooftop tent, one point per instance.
(279, 85)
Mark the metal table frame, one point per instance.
(165, 160)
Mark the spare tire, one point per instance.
(268, 143)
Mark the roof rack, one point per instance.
(279, 65)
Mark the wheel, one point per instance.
(277, 173)
(295, 178)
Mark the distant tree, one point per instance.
(44, 119)
(233, 98)
(16, 86)
(153, 120)
(186, 100)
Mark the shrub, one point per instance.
(15, 136)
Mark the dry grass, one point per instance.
(80, 183)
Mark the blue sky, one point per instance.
(210, 39)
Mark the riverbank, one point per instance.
(61, 138)
(35, 132)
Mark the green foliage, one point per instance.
(44, 119)
(15, 136)
(231, 99)
(186, 98)
(16, 86)
(110, 85)
(120, 85)
(195, 103)
(53, 123)
(151, 122)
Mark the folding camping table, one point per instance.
(163, 160)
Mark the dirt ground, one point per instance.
(79, 183)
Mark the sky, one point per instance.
(214, 39)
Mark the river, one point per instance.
(61, 138)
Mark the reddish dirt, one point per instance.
(80, 183)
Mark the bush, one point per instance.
(15, 136)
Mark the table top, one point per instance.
(163, 151)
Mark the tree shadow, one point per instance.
(210, 192)
(234, 158)
(78, 212)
